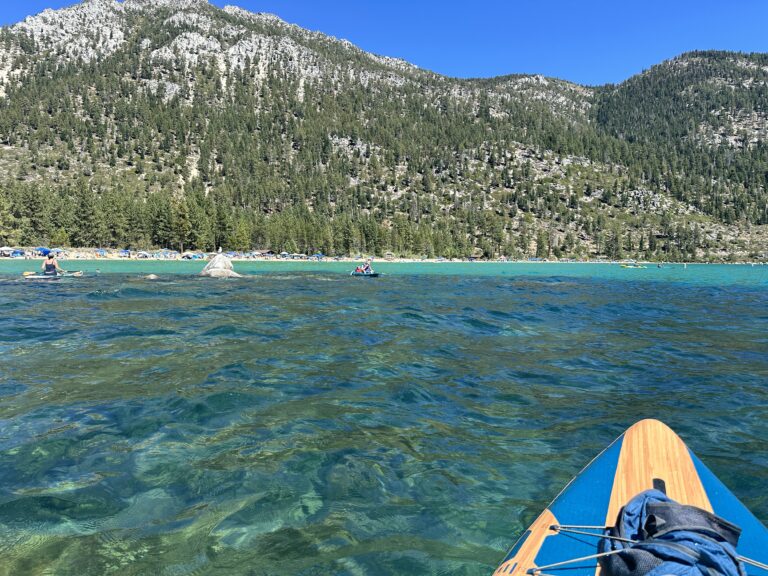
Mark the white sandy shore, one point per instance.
(82, 254)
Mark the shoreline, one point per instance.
(378, 261)
(165, 255)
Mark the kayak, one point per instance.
(367, 275)
(648, 455)
(632, 266)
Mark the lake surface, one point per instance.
(300, 421)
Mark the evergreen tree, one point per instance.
(9, 232)
(182, 225)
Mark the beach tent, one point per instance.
(17, 254)
(124, 253)
(166, 254)
(57, 250)
(43, 250)
(101, 252)
(142, 254)
(6, 251)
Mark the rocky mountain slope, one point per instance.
(176, 123)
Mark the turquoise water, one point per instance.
(710, 274)
(300, 421)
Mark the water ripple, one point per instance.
(310, 424)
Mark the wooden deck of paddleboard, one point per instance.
(649, 450)
(652, 450)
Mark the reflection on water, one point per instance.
(316, 424)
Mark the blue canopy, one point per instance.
(43, 250)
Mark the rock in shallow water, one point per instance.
(220, 267)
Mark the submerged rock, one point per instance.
(220, 267)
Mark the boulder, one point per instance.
(220, 267)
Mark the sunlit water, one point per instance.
(300, 421)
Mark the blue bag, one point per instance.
(669, 538)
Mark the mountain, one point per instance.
(175, 123)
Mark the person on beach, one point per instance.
(51, 266)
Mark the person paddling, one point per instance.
(51, 266)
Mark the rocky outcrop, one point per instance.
(86, 31)
(220, 267)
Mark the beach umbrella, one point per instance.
(43, 250)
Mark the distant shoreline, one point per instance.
(167, 255)
(346, 259)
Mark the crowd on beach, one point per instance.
(166, 254)
(126, 254)
(263, 255)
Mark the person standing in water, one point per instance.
(51, 266)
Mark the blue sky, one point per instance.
(590, 42)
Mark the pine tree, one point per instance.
(9, 233)
(182, 225)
